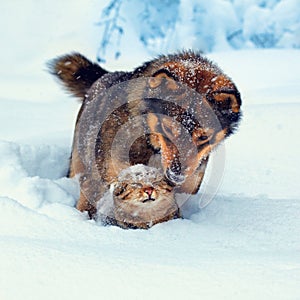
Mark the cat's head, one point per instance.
(142, 197)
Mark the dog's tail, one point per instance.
(76, 72)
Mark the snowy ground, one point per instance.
(244, 245)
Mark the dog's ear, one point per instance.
(76, 72)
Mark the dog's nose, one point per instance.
(176, 178)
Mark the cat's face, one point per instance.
(142, 198)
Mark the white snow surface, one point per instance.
(244, 245)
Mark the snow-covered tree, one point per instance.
(170, 25)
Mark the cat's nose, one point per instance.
(148, 190)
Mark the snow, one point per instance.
(244, 244)
(215, 25)
(140, 172)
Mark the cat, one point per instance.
(140, 197)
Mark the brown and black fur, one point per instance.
(76, 72)
(216, 90)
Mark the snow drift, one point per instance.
(244, 244)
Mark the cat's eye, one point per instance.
(136, 185)
(162, 184)
(119, 190)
